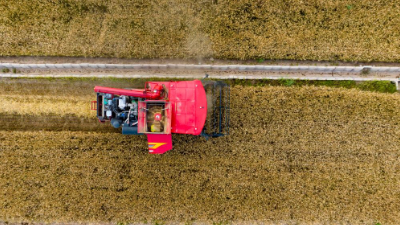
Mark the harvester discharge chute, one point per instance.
(163, 108)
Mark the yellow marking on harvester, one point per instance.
(155, 145)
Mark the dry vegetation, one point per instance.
(295, 155)
(356, 30)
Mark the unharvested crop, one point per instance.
(315, 30)
(294, 155)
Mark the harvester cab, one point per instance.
(163, 108)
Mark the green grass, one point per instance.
(5, 70)
(375, 86)
(378, 86)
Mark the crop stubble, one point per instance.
(295, 154)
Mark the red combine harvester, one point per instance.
(163, 108)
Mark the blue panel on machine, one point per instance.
(127, 130)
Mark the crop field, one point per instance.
(359, 30)
(295, 155)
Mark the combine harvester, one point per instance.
(163, 108)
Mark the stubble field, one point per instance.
(295, 155)
(356, 30)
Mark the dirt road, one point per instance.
(83, 67)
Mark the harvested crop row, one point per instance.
(298, 154)
(51, 122)
(73, 88)
(315, 30)
(37, 105)
(51, 98)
